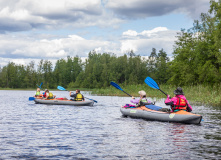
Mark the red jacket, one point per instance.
(175, 104)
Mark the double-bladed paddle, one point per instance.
(118, 87)
(150, 82)
(63, 89)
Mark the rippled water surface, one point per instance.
(37, 131)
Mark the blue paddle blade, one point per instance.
(40, 84)
(61, 88)
(31, 98)
(116, 85)
(150, 82)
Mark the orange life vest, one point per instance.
(181, 104)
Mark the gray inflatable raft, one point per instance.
(64, 102)
(148, 114)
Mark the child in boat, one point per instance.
(48, 95)
(142, 101)
(179, 102)
(77, 96)
(38, 93)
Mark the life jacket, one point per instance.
(37, 93)
(79, 97)
(143, 102)
(50, 95)
(181, 104)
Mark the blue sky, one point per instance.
(54, 29)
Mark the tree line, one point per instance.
(96, 72)
(196, 60)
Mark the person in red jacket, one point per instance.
(179, 102)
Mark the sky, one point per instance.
(31, 30)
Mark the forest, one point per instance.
(196, 60)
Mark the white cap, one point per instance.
(143, 93)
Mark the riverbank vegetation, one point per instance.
(197, 94)
(195, 66)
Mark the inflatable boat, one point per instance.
(145, 112)
(64, 102)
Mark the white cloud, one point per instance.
(75, 37)
(143, 42)
(24, 15)
(130, 33)
(145, 33)
(72, 45)
(149, 33)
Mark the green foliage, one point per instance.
(197, 51)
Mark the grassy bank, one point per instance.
(197, 94)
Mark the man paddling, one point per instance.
(77, 96)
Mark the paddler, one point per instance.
(179, 101)
(77, 96)
(38, 93)
(142, 101)
(49, 95)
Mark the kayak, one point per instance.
(154, 115)
(64, 102)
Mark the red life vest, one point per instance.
(181, 104)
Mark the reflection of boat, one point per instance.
(64, 102)
(149, 114)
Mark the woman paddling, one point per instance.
(179, 102)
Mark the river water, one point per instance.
(37, 131)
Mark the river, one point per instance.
(37, 131)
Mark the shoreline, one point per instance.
(199, 94)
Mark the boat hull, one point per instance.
(148, 114)
(64, 102)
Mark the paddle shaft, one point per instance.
(127, 93)
(63, 89)
(163, 92)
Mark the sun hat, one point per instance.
(178, 91)
(142, 93)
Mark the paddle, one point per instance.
(63, 89)
(150, 82)
(31, 98)
(40, 85)
(118, 87)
